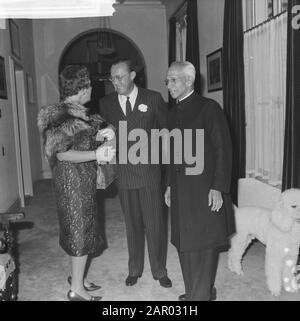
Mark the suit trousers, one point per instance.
(199, 272)
(144, 215)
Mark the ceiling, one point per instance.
(142, 1)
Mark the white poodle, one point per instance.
(279, 230)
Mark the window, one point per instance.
(276, 6)
(265, 55)
(258, 11)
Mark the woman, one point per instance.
(71, 147)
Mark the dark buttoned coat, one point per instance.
(193, 225)
(149, 112)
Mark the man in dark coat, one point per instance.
(201, 210)
(139, 184)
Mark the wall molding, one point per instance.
(140, 5)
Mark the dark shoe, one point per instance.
(182, 297)
(165, 282)
(91, 287)
(131, 280)
(72, 296)
(213, 297)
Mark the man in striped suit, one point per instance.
(139, 185)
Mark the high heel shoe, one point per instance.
(91, 287)
(73, 296)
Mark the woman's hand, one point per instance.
(107, 133)
(105, 153)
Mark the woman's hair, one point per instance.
(72, 79)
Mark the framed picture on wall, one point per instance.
(3, 88)
(214, 71)
(30, 92)
(14, 39)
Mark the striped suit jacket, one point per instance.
(133, 176)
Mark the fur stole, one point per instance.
(58, 124)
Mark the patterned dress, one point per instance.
(66, 126)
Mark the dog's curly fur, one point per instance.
(278, 229)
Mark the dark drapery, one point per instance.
(172, 48)
(291, 162)
(172, 40)
(192, 41)
(234, 88)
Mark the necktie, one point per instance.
(128, 107)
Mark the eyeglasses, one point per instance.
(117, 78)
(172, 81)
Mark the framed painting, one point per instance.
(214, 71)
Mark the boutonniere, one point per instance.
(143, 108)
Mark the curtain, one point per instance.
(192, 41)
(291, 163)
(172, 49)
(233, 87)
(265, 74)
(172, 40)
(181, 29)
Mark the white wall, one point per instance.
(28, 64)
(8, 167)
(144, 25)
(252, 192)
(172, 6)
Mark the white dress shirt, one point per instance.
(132, 99)
(185, 97)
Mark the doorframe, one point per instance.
(19, 107)
(23, 129)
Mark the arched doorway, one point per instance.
(83, 50)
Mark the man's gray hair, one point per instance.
(186, 67)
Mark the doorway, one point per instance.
(19, 106)
(84, 50)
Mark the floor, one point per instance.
(44, 267)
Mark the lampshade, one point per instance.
(55, 8)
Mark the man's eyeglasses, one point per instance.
(117, 78)
(171, 81)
